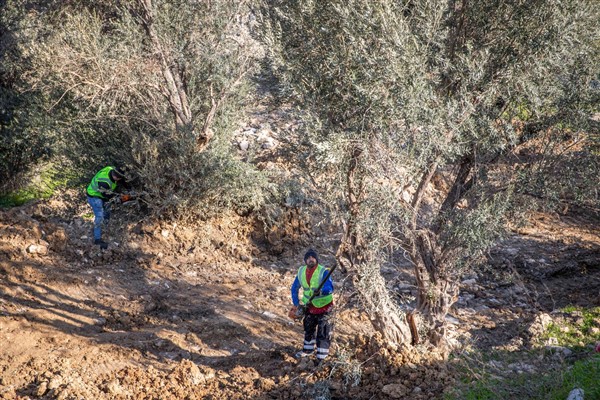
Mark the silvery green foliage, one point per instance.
(157, 86)
(415, 81)
(444, 89)
(27, 133)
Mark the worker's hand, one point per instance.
(292, 312)
(317, 293)
(125, 198)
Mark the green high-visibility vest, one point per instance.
(309, 287)
(102, 176)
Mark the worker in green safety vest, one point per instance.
(101, 189)
(317, 323)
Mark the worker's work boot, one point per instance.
(302, 354)
(103, 245)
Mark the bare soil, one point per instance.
(199, 312)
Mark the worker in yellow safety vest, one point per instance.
(101, 189)
(315, 284)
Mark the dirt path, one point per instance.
(179, 313)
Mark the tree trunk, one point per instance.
(436, 288)
(174, 89)
(385, 315)
(437, 291)
(355, 256)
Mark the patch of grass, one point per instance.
(42, 186)
(584, 375)
(487, 376)
(578, 328)
(555, 385)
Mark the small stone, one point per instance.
(37, 249)
(244, 145)
(576, 394)
(55, 383)
(269, 315)
(42, 389)
(114, 388)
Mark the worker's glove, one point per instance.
(125, 198)
(292, 312)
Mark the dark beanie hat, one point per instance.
(118, 172)
(311, 253)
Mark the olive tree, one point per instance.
(416, 113)
(156, 85)
(26, 133)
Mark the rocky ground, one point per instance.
(175, 312)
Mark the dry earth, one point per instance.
(174, 312)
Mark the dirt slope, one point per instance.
(173, 312)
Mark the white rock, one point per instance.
(244, 145)
(269, 315)
(42, 389)
(37, 249)
(164, 233)
(552, 341)
(114, 388)
(576, 394)
(196, 377)
(55, 382)
(560, 350)
(450, 319)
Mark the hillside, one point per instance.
(182, 312)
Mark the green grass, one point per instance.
(42, 186)
(575, 328)
(576, 331)
(584, 375)
(554, 385)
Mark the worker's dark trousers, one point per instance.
(321, 325)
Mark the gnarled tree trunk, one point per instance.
(355, 256)
(437, 291)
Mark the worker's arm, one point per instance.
(327, 287)
(104, 188)
(295, 288)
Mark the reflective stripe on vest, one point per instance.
(103, 175)
(315, 281)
